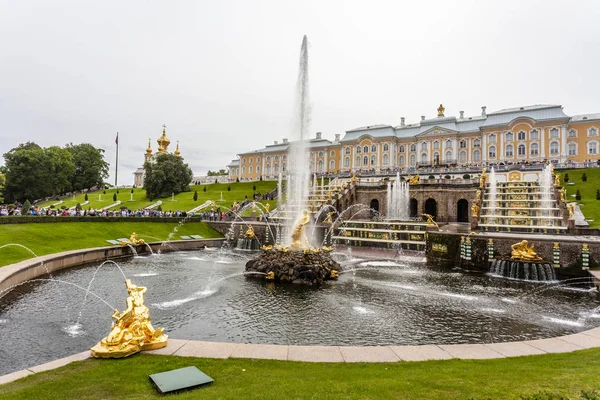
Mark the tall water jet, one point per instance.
(299, 171)
(398, 199)
(546, 187)
(279, 193)
(493, 194)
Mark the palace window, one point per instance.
(413, 147)
(592, 147)
(250, 169)
(521, 135)
(424, 158)
(284, 157)
(448, 144)
(509, 136)
(593, 131)
(492, 152)
(521, 150)
(401, 160)
(413, 160)
(332, 165)
(312, 156)
(258, 169)
(424, 146)
(268, 158)
(276, 168)
(347, 150)
(366, 160)
(357, 161)
(331, 153)
(366, 149)
(436, 145)
(347, 162)
(572, 133)
(373, 160)
(283, 167)
(509, 151)
(243, 170)
(243, 161)
(358, 149)
(320, 166)
(386, 147)
(373, 148)
(476, 143)
(251, 160)
(257, 159)
(320, 154)
(554, 133)
(385, 159)
(476, 155)
(463, 156)
(554, 148)
(534, 149)
(572, 149)
(492, 138)
(268, 169)
(436, 158)
(276, 158)
(463, 144)
(534, 135)
(401, 148)
(448, 156)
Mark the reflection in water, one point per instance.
(204, 296)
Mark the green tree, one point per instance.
(204, 189)
(229, 188)
(2, 183)
(195, 195)
(85, 197)
(168, 174)
(237, 180)
(566, 178)
(114, 197)
(90, 167)
(584, 177)
(60, 167)
(254, 187)
(26, 173)
(577, 195)
(26, 210)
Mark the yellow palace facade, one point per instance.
(528, 134)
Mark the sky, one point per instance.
(222, 74)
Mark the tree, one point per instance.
(114, 197)
(204, 189)
(577, 195)
(195, 195)
(26, 173)
(26, 209)
(217, 173)
(168, 174)
(584, 177)
(216, 180)
(237, 180)
(90, 167)
(229, 188)
(2, 183)
(566, 178)
(254, 187)
(60, 167)
(597, 194)
(85, 197)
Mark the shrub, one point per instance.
(86, 197)
(78, 207)
(204, 189)
(114, 197)
(117, 191)
(159, 208)
(584, 177)
(566, 178)
(131, 190)
(104, 192)
(577, 195)
(229, 188)
(597, 194)
(216, 180)
(237, 180)
(466, 176)
(254, 187)
(195, 195)
(261, 178)
(26, 208)
(447, 177)
(431, 177)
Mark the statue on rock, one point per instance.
(523, 252)
(299, 239)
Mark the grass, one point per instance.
(565, 374)
(183, 201)
(588, 203)
(47, 238)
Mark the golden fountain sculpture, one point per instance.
(557, 179)
(430, 221)
(475, 210)
(132, 329)
(133, 240)
(299, 239)
(250, 233)
(414, 180)
(522, 252)
(483, 178)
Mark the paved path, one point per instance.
(375, 354)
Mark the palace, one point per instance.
(163, 146)
(529, 134)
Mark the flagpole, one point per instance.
(117, 163)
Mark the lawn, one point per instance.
(565, 374)
(588, 203)
(182, 201)
(47, 238)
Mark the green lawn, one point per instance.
(588, 203)
(47, 238)
(512, 378)
(183, 201)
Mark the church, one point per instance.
(149, 156)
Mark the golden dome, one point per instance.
(163, 141)
(149, 149)
(177, 152)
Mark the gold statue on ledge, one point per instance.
(475, 210)
(354, 179)
(299, 239)
(521, 251)
(329, 218)
(557, 179)
(132, 329)
(267, 208)
(414, 180)
(430, 221)
(563, 194)
(133, 240)
(250, 233)
(483, 178)
(571, 207)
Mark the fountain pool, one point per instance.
(196, 295)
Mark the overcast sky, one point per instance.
(221, 74)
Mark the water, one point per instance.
(493, 191)
(546, 186)
(298, 163)
(373, 303)
(398, 199)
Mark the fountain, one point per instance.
(398, 199)
(524, 263)
(249, 241)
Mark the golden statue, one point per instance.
(571, 207)
(440, 111)
(299, 239)
(354, 178)
(482, 178)
(585, 248)
(557, 179)
(329, 218)
(521, 251)
(430, 221)
(413, 180)
(563, 194)
(478, 195)
(327, 248)
(475, 210)
(270, 276)
(266, 248)
(133, 240)
(250, 233)
(267, 208)
(333, 274)
(132, 329)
